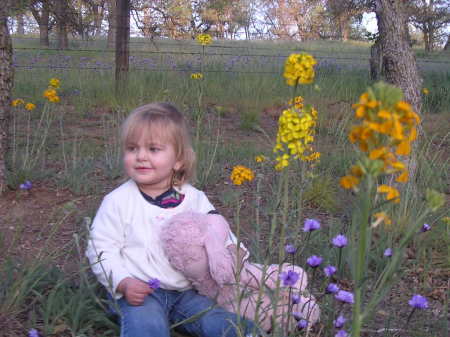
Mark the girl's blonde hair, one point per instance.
(162, 122)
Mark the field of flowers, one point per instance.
(311, 163)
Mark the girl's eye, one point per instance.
(131, 148)
(154, 149)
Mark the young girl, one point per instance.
(125, 250)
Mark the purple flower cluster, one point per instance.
(425, 228)
(332, 288)
(339, 241)
(301, 324)
(339, 322)
(154, 283)
(388, 252)
(341, 333)
(311, 225)
(27, 185)
(290, 249)
(418, 302)
(289, 278)
(314, 261)
(33, 333)
(330, 270)
(345, 296)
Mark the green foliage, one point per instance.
(322, 194)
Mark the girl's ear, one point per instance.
(178, 165)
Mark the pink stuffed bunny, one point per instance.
(195, 246)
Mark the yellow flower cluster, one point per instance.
(387, 129)
(51, 93)
(299, 68)
(28, 106)
(54, 83)
(297, 102)
(196, 76)
(260, 158)
(204, 39)
(241, 174)
(295, 135)
(425, 91)
(17, 102)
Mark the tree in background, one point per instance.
(6, 82)
(41, 13)
(343, 12)
(431, 17)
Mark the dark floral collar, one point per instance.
(169, 199)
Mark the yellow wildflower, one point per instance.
(260, 158)
(54, 83)
(17, 102)
(241, 174)
(30, 106)
(204, 39)
(196, 76)
(282, 162)
(299, 68)
(50, 92)
(349, 181)
(425, 91)
(391, 192)
(380, 217)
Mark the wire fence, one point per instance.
(160, 57)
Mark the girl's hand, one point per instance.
(134, 290)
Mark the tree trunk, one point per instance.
(111, 39)
(376, 61)
(6, 83)
(399, 63)
(42, 18)
(98, 17)
(122, 43)
(61, 25)
(20, 25)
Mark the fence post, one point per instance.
(122, 44)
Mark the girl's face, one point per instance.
(150, 164)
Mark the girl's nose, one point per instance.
(141, 154)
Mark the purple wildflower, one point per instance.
(425, 228)
(332, 288)
(418, 302)
(289, 278)
(388, 252)
(27, 185)
(290, 249)
(295, 299)
(339, 322)
(311, 225)
(33, 333)
(314, 261)
(329, 270)
(154, 283)
(341, 333)
(339, 241)
(301, 324)
(297, 315)
(344, 296)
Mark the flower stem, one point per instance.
(362, 235)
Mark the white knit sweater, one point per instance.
(124, 237)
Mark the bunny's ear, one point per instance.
(221, 263)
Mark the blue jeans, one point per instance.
(163, 308)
